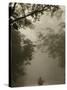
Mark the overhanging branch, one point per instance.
(31, 13)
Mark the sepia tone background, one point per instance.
(37, 44)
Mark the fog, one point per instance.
(41, 64)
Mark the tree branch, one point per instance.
(31, 13)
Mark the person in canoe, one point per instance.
(40, 81)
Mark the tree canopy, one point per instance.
(20, 12)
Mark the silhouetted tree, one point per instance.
(55, 45)
(57, 48)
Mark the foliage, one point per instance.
(19, 55)
(20, 13)
(55, 46)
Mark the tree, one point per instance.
(56, 47)
(20, 55)
(54, 43)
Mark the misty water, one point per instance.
(45, 67)
(41, 64)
